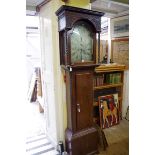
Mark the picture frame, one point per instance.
(120, 27)
(120, 51)
(108, 110)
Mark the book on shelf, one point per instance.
(117, 78)
(113, 78)
(109, 78)
(99, 80)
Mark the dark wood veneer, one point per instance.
(82, 143)
(80, 130)
(72, 14)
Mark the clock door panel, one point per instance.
(84, 99)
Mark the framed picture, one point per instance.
(109, 110)
(120, 51)
(120, 27)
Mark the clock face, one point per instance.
(81, 43)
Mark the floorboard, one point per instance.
(118, 139)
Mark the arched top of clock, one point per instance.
(83, 21)
(68, 15)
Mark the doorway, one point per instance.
(35, 106)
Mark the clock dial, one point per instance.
(81, 43)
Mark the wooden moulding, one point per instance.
(108, 86)
(110, 68)
(84, 142)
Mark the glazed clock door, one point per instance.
(82, 43)
(84, 99)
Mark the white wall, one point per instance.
(125, 93)
(125, 102)
(53, 86)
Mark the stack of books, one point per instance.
(113, 78)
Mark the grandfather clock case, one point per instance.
(79, 31)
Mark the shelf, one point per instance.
(108, 80)
(110, 68)
(108, 86)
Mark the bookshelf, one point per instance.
(108, 91)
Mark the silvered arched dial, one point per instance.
(81, 43)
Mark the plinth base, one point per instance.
(84, 142)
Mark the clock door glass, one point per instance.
(81, 43)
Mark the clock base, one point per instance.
(84, 142)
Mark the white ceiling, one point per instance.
(109, 7)
(33, 2)
(31, 6)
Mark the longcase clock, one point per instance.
(78, 33)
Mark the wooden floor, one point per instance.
(118, 139)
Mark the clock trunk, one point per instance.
(81, 136)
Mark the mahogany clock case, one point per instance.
(81, 136)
